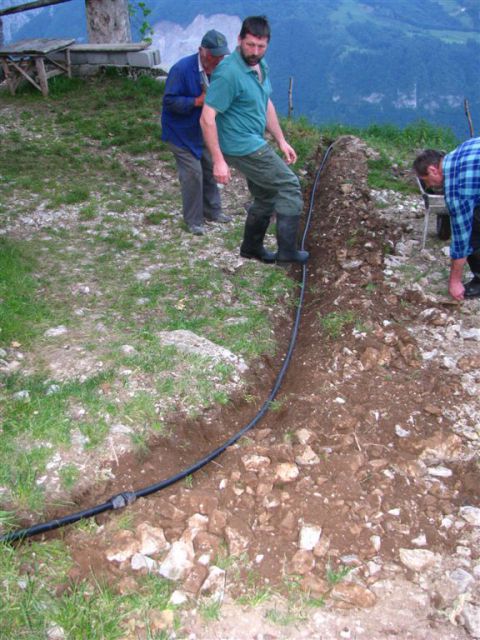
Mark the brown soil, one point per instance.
(350, 391)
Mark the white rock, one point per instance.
(55, 331)
(471, 619)
(55, 632)
(178, 561)
(22, 395)
(304, 436)
(152, 539)
(440, 472)
(178, 597)
(253, 462)
(418, 559)
(462, 579)
(376, 542)
(286, 472)
(214, 585)
(309, 536)
(128, 350)
(401, 433)
(140, 561)
(471, 515)
(420, 541)
(143, 276)
(307, 456)
(471, 334)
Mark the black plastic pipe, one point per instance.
(122, 500)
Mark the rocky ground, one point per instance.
(358, 490)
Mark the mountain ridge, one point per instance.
(352, 62)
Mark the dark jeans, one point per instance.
(474, 258)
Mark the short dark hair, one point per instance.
(425, 159)
(257, 26)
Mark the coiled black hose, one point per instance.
(128, 497)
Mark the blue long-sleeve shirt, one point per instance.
(461, 172)
(180, 116)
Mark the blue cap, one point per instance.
(216, 43)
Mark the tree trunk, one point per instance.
(108, 21)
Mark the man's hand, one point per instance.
(289, 153)
(221, 172)
(455, 286)
(199, 100)
(456, 290)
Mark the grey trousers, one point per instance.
(200, 195)
(271, 182)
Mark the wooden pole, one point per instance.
(469, 118)
(290, 97)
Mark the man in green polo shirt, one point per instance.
(236, 113)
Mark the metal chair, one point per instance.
(435, 202)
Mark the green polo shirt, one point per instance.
(240, 101)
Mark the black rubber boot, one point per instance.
(287, 227)
(472, 288)
(253, 235)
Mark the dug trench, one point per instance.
(355, 471)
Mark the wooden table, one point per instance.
(32, 60)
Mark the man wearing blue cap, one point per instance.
(183, 99)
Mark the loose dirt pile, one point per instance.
(358, 489)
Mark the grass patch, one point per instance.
(87, 610)
(335, 322)
(23, 309)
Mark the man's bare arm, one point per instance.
(221, 170)
(455, 286)
(273, 126)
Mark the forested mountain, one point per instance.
(353, 61)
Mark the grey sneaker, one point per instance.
(197, 230)
(220, 218)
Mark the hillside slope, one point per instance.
(352, 62)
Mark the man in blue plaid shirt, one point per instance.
(458, 173)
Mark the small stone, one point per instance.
(253, 462)
(307, 456)
(309, 537)
(140, 561)
(302, 562)
(350, 594)
(401, 433)
(178, 597)
(286, 472)
(417, 559)
(55, 331)
(471, 515)
(420, 541)
(440, 472)
(471, 619)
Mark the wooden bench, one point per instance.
(36, 60)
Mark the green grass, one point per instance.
(396, 148)
(23, 310)
(335, 322)
(86, 610)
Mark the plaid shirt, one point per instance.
(461, 171)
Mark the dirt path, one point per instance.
(358, 489)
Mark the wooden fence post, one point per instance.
(469, 118)
(290, 97)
